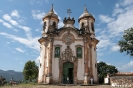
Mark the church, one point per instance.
(68, 54)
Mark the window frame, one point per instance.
(57, 55)
(81, 47)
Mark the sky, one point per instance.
(21, 27)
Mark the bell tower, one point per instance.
(50, 22)
(50, 26)
(86, 23)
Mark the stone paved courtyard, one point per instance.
(55, 86)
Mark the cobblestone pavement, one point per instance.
(55, 86)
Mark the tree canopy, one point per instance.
(104, 69)
(126, 44)
(30, 70)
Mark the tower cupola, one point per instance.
(86, 14)
(86, 22)
(51, 14)
(50, 22)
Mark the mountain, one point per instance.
(11, 74)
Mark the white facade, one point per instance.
(68, 54)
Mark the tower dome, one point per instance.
(51, 14)
(85, 14)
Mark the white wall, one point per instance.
(93, 63)
(55, 61)
(41, 69)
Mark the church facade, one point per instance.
(68, 54)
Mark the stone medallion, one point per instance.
(68, 38)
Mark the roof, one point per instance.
(51, 14)
(86, 14)
(123, 74)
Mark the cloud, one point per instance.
(127, 66)
(20, 50)
(105, 19)
(8, 18)
(31, 43)
(126, 2)
(103, 43)
(5, 24)
(37, 14)
(120, 20)
(115, 48)
(16, 24)
(15, 13)
(37, 59)
(60, 24)
(38, 2)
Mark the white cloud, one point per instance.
(8, 18)
(60, 24)
(38, 2)
(37, 59)
(37, 14)
(127, 66)
(105, 19)
(103, 43)
(20, 50)
(126, 2)
(15, 13)
(5, 24)
(120, 20)
(15, 30)
(37, 29)
(31, 43)
(115, 48)
(16, 24)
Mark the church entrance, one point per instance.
(68, 73)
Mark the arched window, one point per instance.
(79, 52)
(44, 25)
(82, 25)
(54, 24)
(57, 51)
(92, 26)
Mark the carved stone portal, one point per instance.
(68, 56)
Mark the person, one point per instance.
(68, 80)
(91, 80)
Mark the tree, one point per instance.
(104, 69)
(2, 81)
(126, 44)
(30, 70)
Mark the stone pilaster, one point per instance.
(91, 64)
(50, 52)
(85, 62)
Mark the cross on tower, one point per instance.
(69, 11)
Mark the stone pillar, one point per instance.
(45, 67)
(85, 62)
(50, 53)
(91, 64)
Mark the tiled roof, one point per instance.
(123, 74)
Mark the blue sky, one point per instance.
(21, 27)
